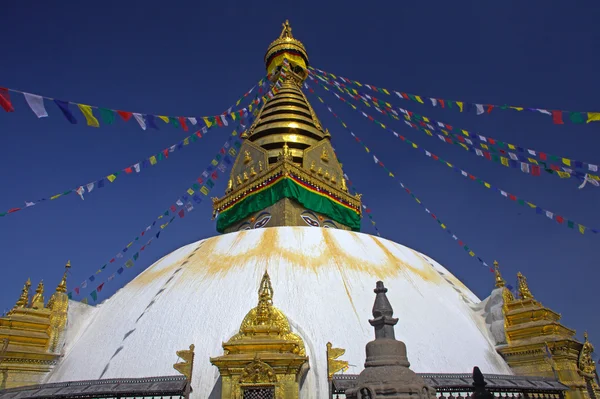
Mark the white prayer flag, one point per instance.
(193, 121)
(549, 214)
(140, 119)
(137, 167)
(179, 202)
(80, 191)
(90, 187)
(433, 101)
(525, 167)
(513, 156)
(36, 103)
(479, 109)
(224, 119)
(593, 168)
(28, 204)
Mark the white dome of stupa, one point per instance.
(323, 281)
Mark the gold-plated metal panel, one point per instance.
(293, 151)
(286, 108)
(292, 125)
(285, 118)
(285, 137)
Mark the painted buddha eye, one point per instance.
(310, 219)
(329, 224)
(244, 226)
(262, 220)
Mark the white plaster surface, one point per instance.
(323, 281)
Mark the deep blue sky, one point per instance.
(189, 58)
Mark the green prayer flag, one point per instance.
(174, 121)
(521, 202)
(577, 117)
(103, 267)
(570, 224)
(196, 186)
(237, 144)
(67, 192)
(495, 158)
(210, 183)
(136, 256)
(94, 295)
(70, 295)
(160, 156)
(166, 213)
(193, 138)
(107, 115)
(218, 157)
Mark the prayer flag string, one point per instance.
(204, 183)
(408, 191)
(108, 115)
(539, 210)
(575, 117)
(468, 140)
(139, 166)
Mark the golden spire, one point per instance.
(24, 298)
(286, 33)
(499, 280)
(62, 287)
(265, 300)
(37, 302)
(286, 46)
(524, 292)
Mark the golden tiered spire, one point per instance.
(62, 287)
(265, 300)
(37, 302)
(24, 298)
(499, 280)
(524, 292)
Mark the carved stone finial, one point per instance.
(37, 302)
(479, 385)
(499, 280)
(382, 314)
(524, 292)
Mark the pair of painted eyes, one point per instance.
(261, 221)
(312, 220)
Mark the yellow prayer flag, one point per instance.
(533, 161)
(531, 205)
(512, 147)
(111, 178)
(343, 124)
(388, 105)
(232, 115)
(86, 110)
(465, 132)
(593, 116)
(594, 177)
(186, 141)
(425, 119)
(382, 125)
(160, 217)
(367, 149)
(449, 164)
(395, 117)
(152, 160)
(55, 196)
(391, 174)
(250, 107)
(234, 133)
(418, 200)
(238, 102)
(488, 185)
(484, 146)
(442, 225)
(464, 146)
(162, 226)
(581, 229)
(460, 105)
(333, 75)
(414, 145)
(204, 190)
(471, 253)
(165, 119)
(130, 244)
(566, 161)
(353, 106)
(517, 108)
(563, 175)
(428, 132)
(419, 99)
(190, 191)
(214, 162)
(208, 123)
(386, 92)
(504, 161)
(358, 83)
(320, 99)
(84, 300)
(232, 152)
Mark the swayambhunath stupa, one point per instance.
(280, 304)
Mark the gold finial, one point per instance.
(187, 365)
(62, 287)
(524, 292)
(286, 33)
(260, 166)
(230, 185)
(287, 154)
(312, 166)
(324, 155)
(585, 336)
(247, 157)
(586, 364)
(37, 302)
(499, 280)
(344, 184)
(265, 300)
(24, 298)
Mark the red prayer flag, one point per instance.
(112, 260)
(442, 103)
(77, 290)
(166, 152)
(559, 219)
(435, 157)
(448, 127)
(543, 156)
(5, 100)
(219, 121)
(214, 175)
(182, 122)
(512, 197)
(125, 115)
(461, 243)
(487, 155)
(181, 213)
(490, 107)
(492, 141)
(557, 118)
(200, 180)
(198, 134)
(128, 170)
(100, 287)
(535, 170)
(173, 208)
(13, 210)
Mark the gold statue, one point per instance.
(324, 155)
(326, 175)
(287, 153)
(37, 302)
(524, 292)
(229, 185)
(333, 179)
(260, 166)
(24, 298)
(245, 176)
(252, 171)
(239, 179)
(344, 184)
(499, 280)
(320, 171)
(247, 157)
(312, 166)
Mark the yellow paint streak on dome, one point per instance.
(219, 257)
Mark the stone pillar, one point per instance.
(387, 373)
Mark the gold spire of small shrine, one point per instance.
(499, 280)
(37, 302)
(24, 298)
(265, 300)
(62, 287)
(524, 292)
